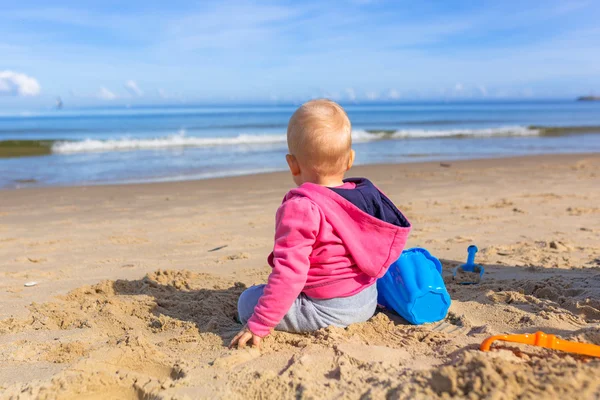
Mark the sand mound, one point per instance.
(164, 336)
(544, 254)
(138, 327)
(505, 376)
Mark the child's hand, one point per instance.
(243, 337)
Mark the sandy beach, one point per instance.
(136, 288)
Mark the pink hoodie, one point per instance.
(326, 247)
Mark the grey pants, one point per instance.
(308, 314)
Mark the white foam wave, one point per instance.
(358, 136)
(505, 131)
(174, 141)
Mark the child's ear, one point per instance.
(351, 159)
(293, 164)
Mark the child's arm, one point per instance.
(297, 225)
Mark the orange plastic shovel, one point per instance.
(548, 341)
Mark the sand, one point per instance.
(135, 295)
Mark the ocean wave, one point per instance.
(504, 131)
(358, 136)
(173, 141)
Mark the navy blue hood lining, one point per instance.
(366, 197)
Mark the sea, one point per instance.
(119, 145)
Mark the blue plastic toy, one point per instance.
(414, 288)
(469, 273)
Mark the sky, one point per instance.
(182, 52)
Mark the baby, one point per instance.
(333, 236)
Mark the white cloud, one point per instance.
(393, 94)
(17, 84)
(351, 94)
(106, 94)
(482, 90)
(221, 26)
(162, 94)
(133, 88)
(335, 96)
(372, 95)
(459, 87)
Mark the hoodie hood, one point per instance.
(371, 227)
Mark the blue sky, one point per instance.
(152, 51)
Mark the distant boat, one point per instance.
(588, 98)
(59, 103)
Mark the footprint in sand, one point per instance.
(137, 354)
(374, 354)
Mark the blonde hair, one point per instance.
(319, 136)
